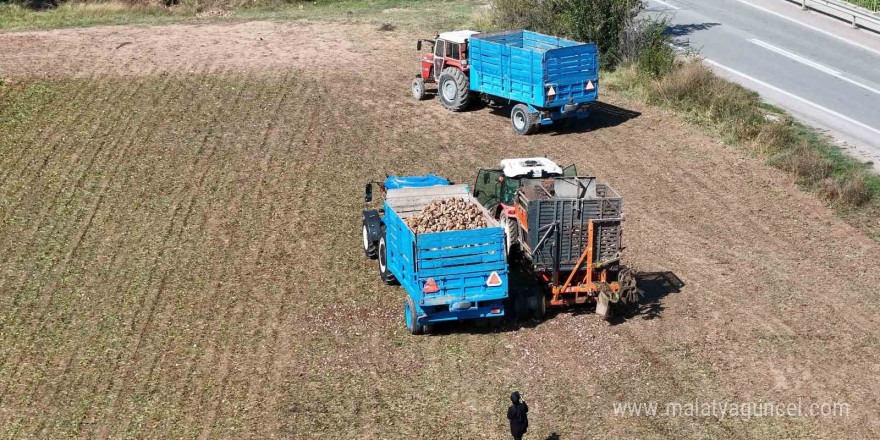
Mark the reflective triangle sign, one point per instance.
(494, 280)
(551, 92)
(590, 86)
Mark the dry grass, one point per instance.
(738, 116)
(851, 190)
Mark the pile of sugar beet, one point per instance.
(448, 215)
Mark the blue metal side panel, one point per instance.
(461, 262)
(568, 70)
(401, 259)
(518, 65)
(505, 70)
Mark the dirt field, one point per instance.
(181, 256)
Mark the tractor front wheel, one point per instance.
(524, 121)
(418, 88)
(454, 88)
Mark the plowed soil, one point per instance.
(181, 256)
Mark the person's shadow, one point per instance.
(553, 436)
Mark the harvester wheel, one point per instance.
(384, 271)
(454, 88)
(629, 293)
(524, 121)
(538, 306)
(412, 318)
(418, 88)
(369, 245)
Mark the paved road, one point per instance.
(817, 68)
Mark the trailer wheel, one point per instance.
(454, 88)
(369, 246)
(523, 120)
(384, 271)
(418, 88)
(412, 318)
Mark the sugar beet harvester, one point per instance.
(568, 229)
(546, 78)
(447, 276)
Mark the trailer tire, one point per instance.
(523, 120)
(369, 245)
(384, 271)
(411, 318)
(454, 88)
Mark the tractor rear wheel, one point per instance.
(418, 88)
(524, 121)
(384, 271)
(454, 88)
(511, 230)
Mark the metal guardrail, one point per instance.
(856, 16)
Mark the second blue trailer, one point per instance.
(548, 78)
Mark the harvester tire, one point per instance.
(411, 317)
(418, 88)
(454, 88)
(628, 291)
(523, 120)
(369, 245)
(384, 271)
(538, 306)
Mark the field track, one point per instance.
(180, 255)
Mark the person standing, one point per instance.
(517, 414)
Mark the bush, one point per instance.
(850, 190)
(601, 21)
(804, 162)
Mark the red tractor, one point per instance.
(447, 66)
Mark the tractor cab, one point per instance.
(497, 188)
(447, 50)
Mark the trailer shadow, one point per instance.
(602, 115)
(653, 286)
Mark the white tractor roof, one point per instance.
(457, 36)
(529, 165)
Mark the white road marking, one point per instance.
(793, 96)
(830, 34)
(821, 67)
(666, 4)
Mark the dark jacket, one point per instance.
(519, 421)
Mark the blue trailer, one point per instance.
(546, 78)
(448, 276)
